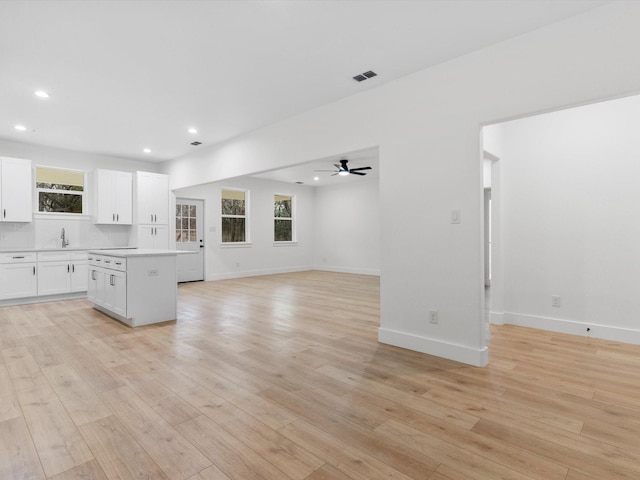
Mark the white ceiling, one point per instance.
(125, 75)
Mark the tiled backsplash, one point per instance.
(44, 232)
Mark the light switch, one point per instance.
(455, 216)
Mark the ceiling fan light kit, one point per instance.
(344, 170)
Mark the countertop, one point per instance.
(137, 252)
(60, 249)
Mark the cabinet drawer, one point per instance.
(18, 257)
(95, 260)
(115, 263)
(53, 256)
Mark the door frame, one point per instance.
(176, 200)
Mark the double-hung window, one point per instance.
(59, 190)
(283, 218)
(234, 209)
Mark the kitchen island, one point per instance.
(135, 286)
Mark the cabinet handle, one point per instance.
(73, 268)
(113, 217)
(15, 258)
(68, 268)
(34, 269)
(111, 280)
(118, 217)
(151, 218)
(155, 218)
(93, 274)
(4, 213)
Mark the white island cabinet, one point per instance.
(135, 286)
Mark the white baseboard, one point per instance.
(255, 273)
(572, 327)
(357, 271)
(496, 318)
(458, 353)
(42, 299)
(273, 271)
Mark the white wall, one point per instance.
(44, 231)
(58, 157)
(571, 205)
(427, 127)
(262, 257)
(347, 227)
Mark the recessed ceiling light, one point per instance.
(22, 128)
(41, 94)
(147, 150)
(192, 130)
(316, 178)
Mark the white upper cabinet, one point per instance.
(152, 198)
(16, 187)
(113, 195)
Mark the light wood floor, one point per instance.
(280, 377)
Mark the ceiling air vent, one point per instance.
(195, 144)
(299, 183)
(364, 76)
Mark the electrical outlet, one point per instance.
(555, 301)
(433, 316)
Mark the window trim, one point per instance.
(247, 229)
(37, 190)
(294, 239)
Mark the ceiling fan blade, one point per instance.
(324, 170)
(335, 174)
(337, 166)
(351, 172)
(359, 168)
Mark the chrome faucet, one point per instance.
(65, 242)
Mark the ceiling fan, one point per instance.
(344, 170)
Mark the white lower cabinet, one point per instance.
(79, 276)
(62, 272)
(18, 277)
(115, 292)
(107, 283)
(53, 278)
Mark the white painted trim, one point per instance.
(605, 332)
(255, 273)
(451, 351)
(43, 299)
(355, 270)
(235, 245)
(496, 318)
(61, 216)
